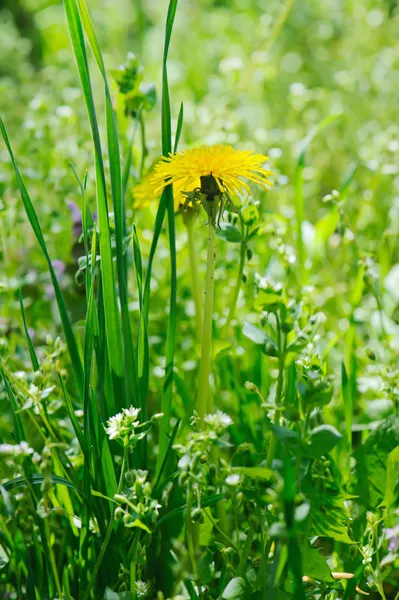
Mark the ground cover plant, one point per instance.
(199, 300)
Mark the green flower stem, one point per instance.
(192, 531)
(133, 563)
(189, 221)
(52, 558)
(237, 287)
(206, 350)
(279, 394)
(233, 304)
(109, 530)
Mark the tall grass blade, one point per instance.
(119, 211)
(168, 195)
(32, 351)
(112, 318)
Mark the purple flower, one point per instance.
(393, 537)
(76, 218)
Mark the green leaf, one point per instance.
(315, 565)
(392, 479)
(256, 472)
(256, 335)
(206, 567)
(140, 525)
(235, 589)
(329, 518)
(285, 435)
(205, 502)
(322, 440)
(372, 459)
(229, 233)
(37, 479)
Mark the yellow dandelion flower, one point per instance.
(228, 166)
(144, 193)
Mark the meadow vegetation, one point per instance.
(199, 382)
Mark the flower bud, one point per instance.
(196, 515)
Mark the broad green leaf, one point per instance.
(329, 518)
(372, 459)
(392, 479)
(256, 335)
(206, 567)
(322, 440)
(229, 233)
(235, 589)
(315, 565)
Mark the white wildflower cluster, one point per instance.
(122, 426)
(143, 589)
(218, 421)
(16, 450)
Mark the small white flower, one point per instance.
(218, 420)
(114, 426)
(233, 479)
(22, 449)
(123, 424)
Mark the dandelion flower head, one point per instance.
(228, 166)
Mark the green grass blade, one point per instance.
(34, 221)
(143, 346)
(19, 431)
(119, 210)
(167, 455)
(168, 196)
(179, 127)
(112, 320)
(71, 413)
(32, 351)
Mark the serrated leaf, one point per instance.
(315, 565)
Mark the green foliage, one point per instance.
(111, 485)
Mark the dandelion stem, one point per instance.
(194, 275)
(206, 349)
